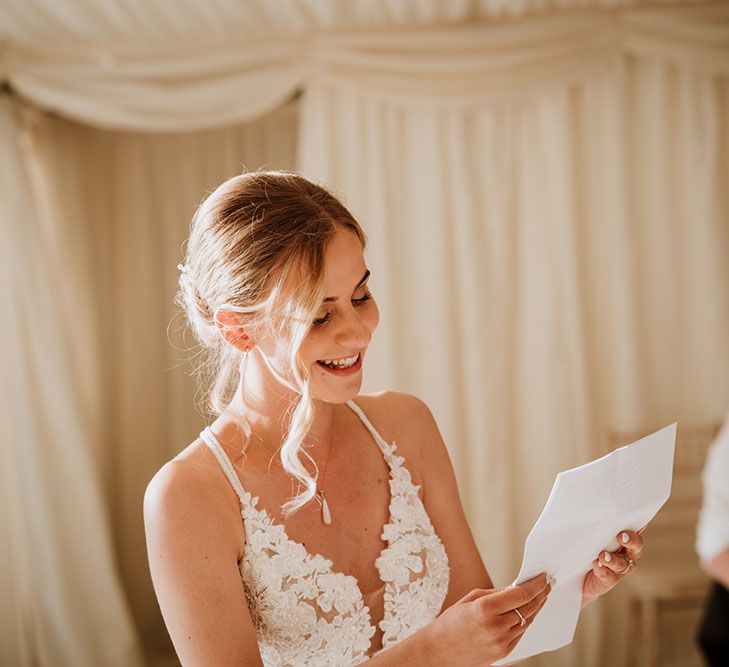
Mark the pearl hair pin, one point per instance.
(184, 278)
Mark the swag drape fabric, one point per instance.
(543, 196)
(196, 83)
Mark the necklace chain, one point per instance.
(326, 515)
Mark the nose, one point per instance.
(353, 332)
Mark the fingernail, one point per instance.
(551, 581)
(608, 557)
(625, 537)
(599, 563)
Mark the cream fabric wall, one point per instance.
(118, 210)
(548, 270)
(545, 204)
(58, 577)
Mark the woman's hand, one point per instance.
(612, 566)
(486, 624)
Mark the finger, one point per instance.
(604, 574)
(516, 596)
(510, 646)
(471, 596)
(516, 631)
(530, 608)
(631, 543)
(477, 593)
(615, 561)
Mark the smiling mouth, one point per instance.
(343, 366)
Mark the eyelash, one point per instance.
(357, 302)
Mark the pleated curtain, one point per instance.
(549, 229)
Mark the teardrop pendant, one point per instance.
(326, 516)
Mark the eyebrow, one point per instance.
(336, 298)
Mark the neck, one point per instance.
(264, 402)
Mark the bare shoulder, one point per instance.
(190, 495)
(183, 481)
(409, 421)
(194, 544)
(390, 404)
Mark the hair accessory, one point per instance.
(184, 279)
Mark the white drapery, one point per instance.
(118, 209)
(527, 194)
(561, 267)
(208, 82)
(62, 602)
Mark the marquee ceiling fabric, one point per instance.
(47, 22)
(143, 69)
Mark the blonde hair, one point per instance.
(257, 244)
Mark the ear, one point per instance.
(231, 328)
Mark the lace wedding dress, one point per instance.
(306, 613)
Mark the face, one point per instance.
(335, 346)
(338, 337)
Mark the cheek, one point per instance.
(313, 348)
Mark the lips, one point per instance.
(341, 361)
(343, 371)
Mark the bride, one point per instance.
(309, 524)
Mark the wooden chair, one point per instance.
(667, 593)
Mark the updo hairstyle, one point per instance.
(257, 243)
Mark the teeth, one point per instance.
(342, 363)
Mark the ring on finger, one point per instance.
(627, 565)
(522, 620)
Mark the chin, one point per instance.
(332, 389)
(337, 397)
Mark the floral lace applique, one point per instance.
(414, 566)
(305, 613)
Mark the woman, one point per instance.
(351, 545)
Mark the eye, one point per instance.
(367, 296)
(357, 303)
(318, 322)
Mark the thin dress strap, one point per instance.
(211, 441)
(388, 450)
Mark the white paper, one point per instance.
(586, 509)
